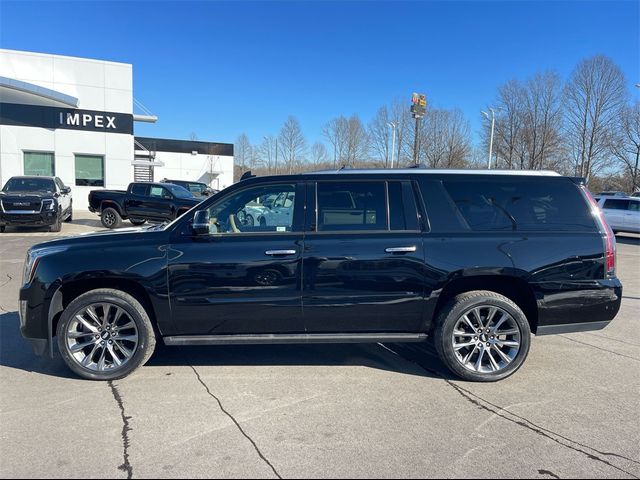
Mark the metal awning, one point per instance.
(16, 90)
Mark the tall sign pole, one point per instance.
(418, 110)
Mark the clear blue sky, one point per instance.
(219, 69)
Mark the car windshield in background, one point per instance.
(179, 191)
(29, 185)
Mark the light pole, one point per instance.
(393, 126)
(493, 124)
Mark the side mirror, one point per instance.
(200, 225)
(66, 190)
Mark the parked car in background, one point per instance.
(35, 202)
(622, 213)
(611, 194)
(198, 189)
(142, 201)
(475, 260)
(636, 194)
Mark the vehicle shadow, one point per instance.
(628, 239)
(413, 359)
(87, 222)
(15, 351)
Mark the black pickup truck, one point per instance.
(155, 202)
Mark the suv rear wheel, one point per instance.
(105, 334)
(482, 336)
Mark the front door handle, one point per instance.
(410, 249)
(280, 252)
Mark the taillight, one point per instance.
(610, 239)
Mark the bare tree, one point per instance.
(336, 132)
(593, 99)
(267, 151)
(445, 139)
(291, 143)
(625, 145)
(319, 154)
(356, 142)
(242, 152)
(380, 135)
(401, 117)
(507, 143)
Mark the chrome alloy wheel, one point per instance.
(102, 337)
(486, 339)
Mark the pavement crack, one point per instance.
(600, 348)
(547, 472)
(237, 424)
(9, 277)
(525, 423)
(126, 465)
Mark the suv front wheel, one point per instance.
(482, 336)
(105, 334)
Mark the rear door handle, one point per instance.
(280, 252)
(410, 249)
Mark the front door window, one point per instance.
(266, 208)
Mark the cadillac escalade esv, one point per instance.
(474, 261)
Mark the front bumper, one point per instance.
(41, 219)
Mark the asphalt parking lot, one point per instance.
(346, 411)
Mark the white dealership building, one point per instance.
(74, 118)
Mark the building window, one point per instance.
(90, 170)
(39, 163)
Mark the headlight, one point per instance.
(33, 258)
(49, 204)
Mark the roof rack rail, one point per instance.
(246, 175)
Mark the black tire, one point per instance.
(464, 304)
(135, 311)
(137, 222)
(263, 222)
(57, 226)
(110, 218)
(70, 217)
(2, 229)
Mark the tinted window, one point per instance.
(179, 191)
(403, 214)
(634, 206)
(351, 206)
(20, 184)
(90, 170)
(39, 163)
(515, 204)
(139, 189)
(614, 204)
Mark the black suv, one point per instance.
(474, 261)
(35, 202)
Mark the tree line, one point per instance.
(585, 125)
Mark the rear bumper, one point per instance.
(577, 306)
(28, 219)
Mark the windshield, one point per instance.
(179, 191)
(18, 184)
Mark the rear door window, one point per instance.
(139, 190)
(634, 206)
(351, 206)
(520, 205)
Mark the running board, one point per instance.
(294, 338)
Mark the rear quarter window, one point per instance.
(520, 205)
